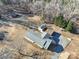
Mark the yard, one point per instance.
(16, 41)
(73, 47)
(26, 49)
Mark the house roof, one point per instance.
(38, 39)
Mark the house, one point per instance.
(53, 42)
(40, 39)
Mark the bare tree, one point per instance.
(38, 7)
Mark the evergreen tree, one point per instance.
(69, 26)
(56, 21)
(60, 21)
(64, 24)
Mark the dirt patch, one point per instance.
(35, 19)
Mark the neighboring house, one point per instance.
(40, 39)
